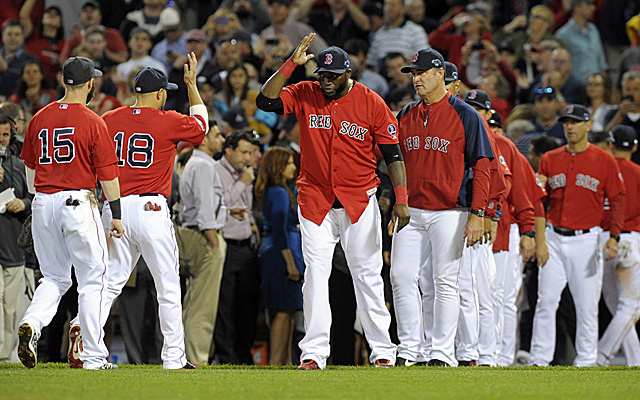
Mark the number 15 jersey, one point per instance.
(68, 146)
(145, 140)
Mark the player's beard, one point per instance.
(337, 92)
(90, 95)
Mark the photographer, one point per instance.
(627, 113)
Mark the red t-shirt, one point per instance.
(440, 154)
(68, 146)
(145, 140)
(115, 42)
(577, 185)
(47, 53)
(336, 146)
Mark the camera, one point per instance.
(477, 46)
(272, 42)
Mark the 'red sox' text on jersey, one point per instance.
(337, 139)
(68, 146)
(145, 141)
(579, 181)
(440, 142)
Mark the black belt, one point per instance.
(239, 243)
(569, 232)
(627, 232)
(148, 194)
(337, 204)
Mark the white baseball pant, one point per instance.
(479, 343)
(621, 292)
(432, 241)
(66, 235)
(576, 261)
(149, 233)
(362, 244)
(512, 285)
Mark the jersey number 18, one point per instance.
(139, 151)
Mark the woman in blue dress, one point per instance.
(281, 252)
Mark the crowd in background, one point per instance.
(532, 57)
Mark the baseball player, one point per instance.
(578, 176)
(145, 139)
(66, 147)
(621, 278)
(443, 140)
(477, 330)
(339, 121)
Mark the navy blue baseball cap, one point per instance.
(78, 70)
(150, 80)
(332, 59)
(450, 72)
(425, 59)
(478, 98)
(575, 112)
(495, 121)
(623, 137)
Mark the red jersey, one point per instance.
(145, 140)
(440, 144)
(577, 185)
(336, 146)
(500, 185)
(631, 174)
(68, 146)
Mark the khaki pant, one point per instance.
(10, 284)
(203, 268)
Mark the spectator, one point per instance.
(522, 133)
(243, 41)
(220, 24)
(538, 147)
(240, 287)
(559, 78)
(598, 100)
(397, 35)
(236, 93)
(252, 14)
(343, 20)
(13, 57)
(282, 265)
(12, 215)
(102, 102)
(197, 44)
(140, 46)
(202, 246)
(154, 16)
(33, 91)
(628, 111)
(461, 38)
(583, 41)
(227, 56)
(499, 91)
(17, 115)
(281, 24)
(173, 45)
(47, 40)
(393, 63)
(91, 15)
(208, 90)
(357, 51)
(416, 13)
(95, 41)
(547, 106)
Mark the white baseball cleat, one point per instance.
(109, 366)
(75, 347)
(27, 345)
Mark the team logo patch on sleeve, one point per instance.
(64, 106)
(371, 192)
(392, 130)
(502, 161)
(136, 111)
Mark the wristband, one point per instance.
(116, 212)
(287, 68)
(531, 234)
(401, 194)
(615, 237)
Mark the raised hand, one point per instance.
(300, 56)
(190, 69)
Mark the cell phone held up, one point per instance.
(477, 46)
(272, 42)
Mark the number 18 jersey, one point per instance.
(145, 140)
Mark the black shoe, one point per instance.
(465, 363)
(434, 362)
(382, 363)
(403, 362)
(189, 365)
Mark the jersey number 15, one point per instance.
(139, 151)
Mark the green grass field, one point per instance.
(57, 381)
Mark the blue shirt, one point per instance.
(586, 49)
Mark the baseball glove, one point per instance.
(25, 238)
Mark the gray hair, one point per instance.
(630, 76)
(519, 128)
